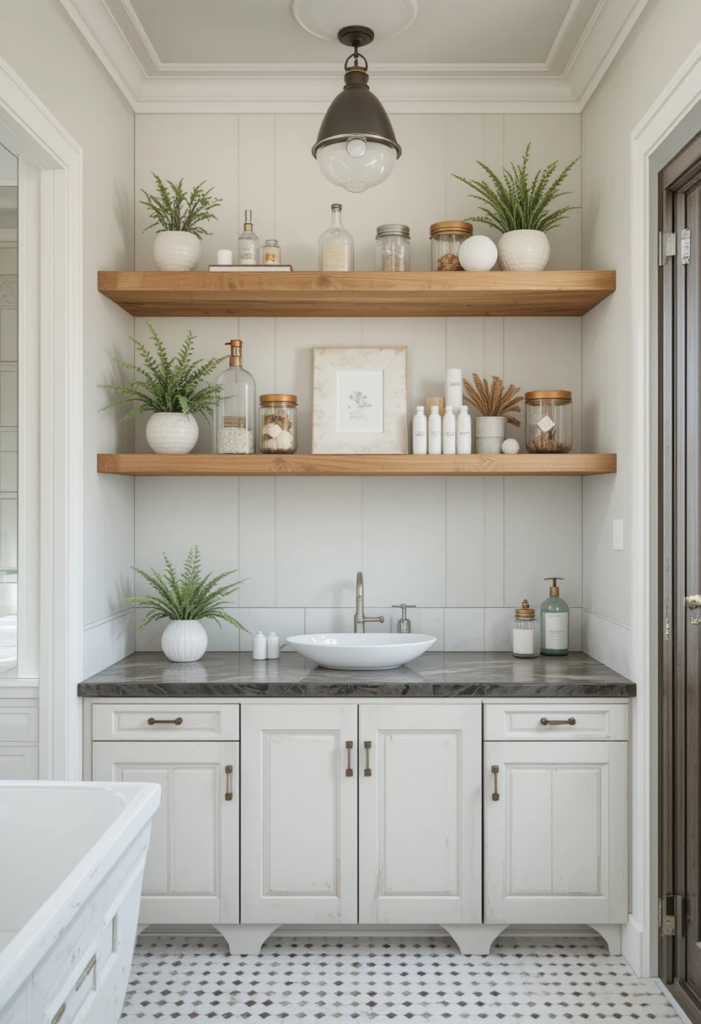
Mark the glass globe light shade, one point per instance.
(357, 163)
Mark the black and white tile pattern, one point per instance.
(350, 980)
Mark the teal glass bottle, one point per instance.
(554, 622)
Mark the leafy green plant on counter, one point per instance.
(172, 209)
(168, 385)
(190, 595)
(519, 202)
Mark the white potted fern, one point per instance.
(173, 390)
(185, 600)
(519, 207)
(178, 218)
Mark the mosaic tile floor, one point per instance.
(350, 980)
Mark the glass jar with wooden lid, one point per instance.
(548, 422)
(278, 424)
(446, 238)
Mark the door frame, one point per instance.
(51, 325)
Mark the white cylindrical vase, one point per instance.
(176, 250)
(523, 250)
(172, 433)
(489, 434)
(184, 640)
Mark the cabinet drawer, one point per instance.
(19, 725)
(551, 720)
(169, 720)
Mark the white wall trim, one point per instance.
(115, 33)
(672, 121)
(28, 129)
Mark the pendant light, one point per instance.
(356, 147)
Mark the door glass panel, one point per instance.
(9, 358)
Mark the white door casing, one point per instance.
(298, 814)
(191, 874)
(420, 814)
(556, 846)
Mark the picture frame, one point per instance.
(360, 401)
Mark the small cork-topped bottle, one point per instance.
(235, 416)
(525, 633)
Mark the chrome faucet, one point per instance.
(360, 617)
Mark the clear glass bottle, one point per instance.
(235, 415)
(278, 424)
(555, 622)
(393, 247)
(548, 422)
(249, 247)
(525, 633)
(336, 244)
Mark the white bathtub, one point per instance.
(71, 861)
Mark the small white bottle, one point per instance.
(260, 647)
(453, 388)
(248, 248)
(435, 432)
(464, 432)
(449, 431)
(273, 646)
(419, 426)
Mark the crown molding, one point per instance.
(113, 30)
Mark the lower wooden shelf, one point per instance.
(356, 465)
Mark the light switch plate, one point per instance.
(618, 535)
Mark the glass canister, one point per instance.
(393, 247)
(278, 424)
(525, 633)
(548, 422)
(446, 238)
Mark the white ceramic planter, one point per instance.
(172, 433)
(184, 640)
(523, 250)
(489, 434)
(176, 250)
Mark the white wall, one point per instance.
(465, 551)
(41, 44)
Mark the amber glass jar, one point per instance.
(548, 422)
(446, 238)
(278, 424)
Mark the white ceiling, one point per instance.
(506, 32)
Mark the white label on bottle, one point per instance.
(546, 424)
(556, 627)
(247, 252)
(335, 256)
(522, 641)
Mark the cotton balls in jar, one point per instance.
(478, 253)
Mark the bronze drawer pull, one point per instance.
(349, 769)
(229, 795)
(495, 773)
(558, 721)
(86, 972)
(165, 721)
(368, 746)
(59, 1013)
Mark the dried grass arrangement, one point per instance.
(495, 400)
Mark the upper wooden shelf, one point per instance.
(356, 465)
(303, 293)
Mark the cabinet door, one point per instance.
(298, 814)
(556, 848)
(191, 874)
(420, 814)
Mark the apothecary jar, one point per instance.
(446, 238)
(393, 247)
(278, 424)
(548, 422)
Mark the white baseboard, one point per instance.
(633, 945)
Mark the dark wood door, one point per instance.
(680, 577)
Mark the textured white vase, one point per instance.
(489, 434)
(184, 640)
(176, 250)
(172, 433)
(523, 250)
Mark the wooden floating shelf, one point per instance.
(357, 465)
(303, 293)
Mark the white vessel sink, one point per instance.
(355, 651)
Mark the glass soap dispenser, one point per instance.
(525, 633)
(555, 622)
(235, 415)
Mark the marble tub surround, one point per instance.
(441, 674)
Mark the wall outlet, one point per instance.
(618, 535)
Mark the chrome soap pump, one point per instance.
(404, 624)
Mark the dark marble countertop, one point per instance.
(228, 674)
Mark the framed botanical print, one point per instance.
(360, 401)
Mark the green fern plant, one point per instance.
(519, 202)
(168, 385)
(190, 595)
(172, 209)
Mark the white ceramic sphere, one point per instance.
(511, 446)
(172, 433)
(176, 250)
(478, 253)
(184, 640)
